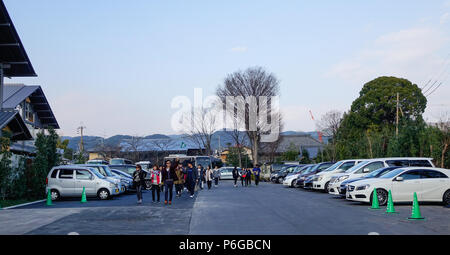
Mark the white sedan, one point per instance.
(430, 184)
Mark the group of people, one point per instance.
(163, 178)
(246, 176)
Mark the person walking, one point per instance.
(179, 183)
(216, 175)
(209, 176)
(168, 177)
(161, 186)
(248, 177)
(138, 180)
(242, 174)
(191, 178)
(256, 173)
(235, 175)
(200, 176)
(155, 180)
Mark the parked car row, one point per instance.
(356, 179)
(98, 180)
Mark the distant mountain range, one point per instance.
(92, 142)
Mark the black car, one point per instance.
(279, 176)
(129, 169)
(375, 174)
(314, 170)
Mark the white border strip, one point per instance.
(30, 203)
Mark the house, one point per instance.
(299, 141)
(24, 110)
(245, 150)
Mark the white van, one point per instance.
(369, 165)
(69, 181)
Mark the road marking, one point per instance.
(30, 203)
(73, 234)
(373, 234)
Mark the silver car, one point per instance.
(106, 171)
(69, 181)
(226, 173)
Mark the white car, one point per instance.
(322, 179)
(430, 184)
(290, 179)
(370, 165)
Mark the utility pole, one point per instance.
(396, 120)
(80, 131)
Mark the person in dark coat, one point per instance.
(139, 182)
(248, 177)
(168, 177)
(191, 178)
(235, 175)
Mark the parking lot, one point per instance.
(266, 209)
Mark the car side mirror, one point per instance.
(366, 170)
(399, 178)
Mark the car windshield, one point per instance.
(299, 169)
(392, 173)
(116, 161)
(99, 175)
(107, 170)
(356, 167)
(309, 169)
(333, 167)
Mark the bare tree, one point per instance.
(253, 108)
(163, 146)
(328, 125)
(133, 145)
(204, 124)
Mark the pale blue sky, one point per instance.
(116, 65)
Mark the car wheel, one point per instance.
(446, 198)
(382, 197)
(280, 180)
(54, 194)
(103, 194)
(292, 184)
(326, 187)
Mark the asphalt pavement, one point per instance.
(266, 209)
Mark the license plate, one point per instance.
(117, 190)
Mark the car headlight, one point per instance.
(342, 178)
(320, 178)
(363, 187)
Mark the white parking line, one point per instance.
(73, 234)
(373, 234)
(30, 203)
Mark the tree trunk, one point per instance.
(443, 155)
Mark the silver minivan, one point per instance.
(69, 181)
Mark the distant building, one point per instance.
(246, 151)
(298, 141)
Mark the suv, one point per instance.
(69, 181)
(368, 166)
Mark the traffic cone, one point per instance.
(415, 215)
(49, 198)
(390, 204)
(375, 203)
(83, 196)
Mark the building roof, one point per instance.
(14, 94)
(12, 50)
(171, 144)
(14, 122)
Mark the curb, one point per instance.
(30, 203)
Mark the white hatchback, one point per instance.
(430, 184)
